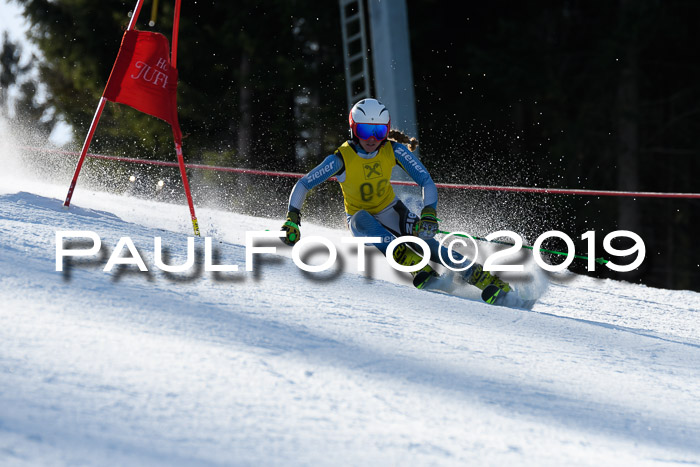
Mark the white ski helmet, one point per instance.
(372, 112)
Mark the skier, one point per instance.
(363, 166)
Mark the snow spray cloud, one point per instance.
(9, 155)
(449, 260)
(26, 157)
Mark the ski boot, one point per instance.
(405, 256)
(492, 287)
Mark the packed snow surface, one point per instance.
(277, 366)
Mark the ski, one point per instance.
(448, 283)
(495, 296)
(491, 293)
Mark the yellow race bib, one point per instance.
(366, 186)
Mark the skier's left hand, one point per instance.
(427, 225)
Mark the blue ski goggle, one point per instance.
(365, 131)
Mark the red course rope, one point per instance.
(560, 191)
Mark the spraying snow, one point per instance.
(278, 366)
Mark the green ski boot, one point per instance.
(405, 256)
(491, 285)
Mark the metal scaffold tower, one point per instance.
(355, 48)
(376, 44)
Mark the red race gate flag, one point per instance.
(143, 78)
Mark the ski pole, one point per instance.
(500, 242)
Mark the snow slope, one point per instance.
(281, 367)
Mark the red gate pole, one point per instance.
(96, 120)
(177, 134)
(83, 152)
(176, 30)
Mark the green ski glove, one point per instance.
(427, 225)
(291, 228)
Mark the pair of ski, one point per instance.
(449, 283)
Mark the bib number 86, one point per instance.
(367, 190)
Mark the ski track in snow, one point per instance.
(279, 367)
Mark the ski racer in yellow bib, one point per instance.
(367, 181)
(363, 167)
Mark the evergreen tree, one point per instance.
(33, 115)
(10, 70)
(28, 115)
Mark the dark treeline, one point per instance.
(569, 94)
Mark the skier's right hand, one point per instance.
(291, 228)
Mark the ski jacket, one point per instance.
(364, 177)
